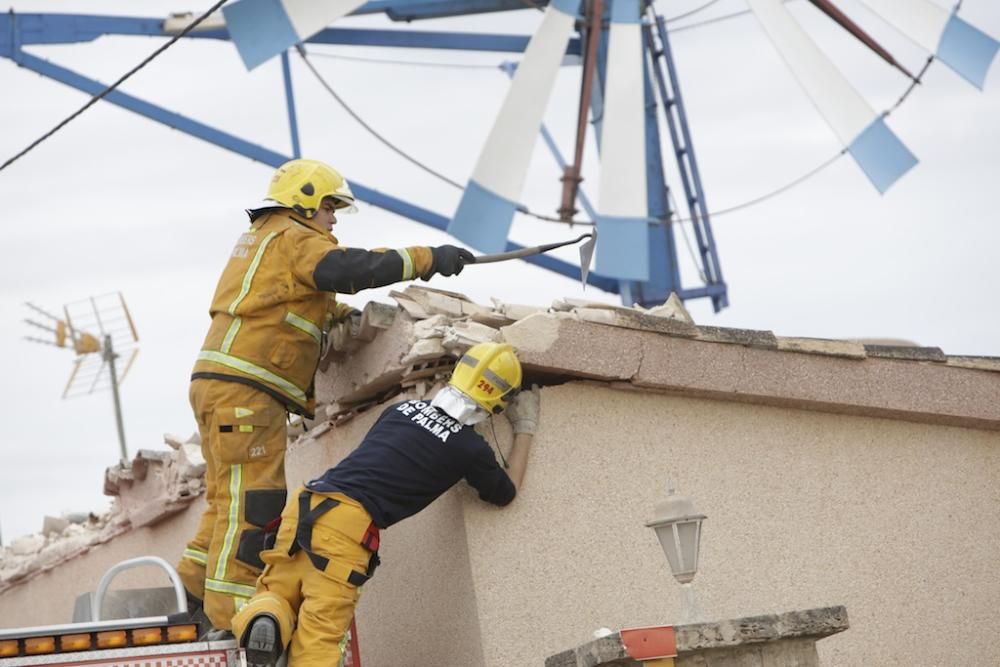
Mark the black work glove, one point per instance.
(449, 260)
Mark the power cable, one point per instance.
(692, 12)
(93, 100)
(521, 208)
(715, 19)
(773, 193)
(687, 241)
(371, 130)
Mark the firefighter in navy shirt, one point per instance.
(327, 543)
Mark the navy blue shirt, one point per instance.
(412, 455)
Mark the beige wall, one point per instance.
(48, 598)
(898, 521)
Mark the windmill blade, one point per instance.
(486, 210)
(958, 44)
(262, 29)
(879, 152)
(622, 206)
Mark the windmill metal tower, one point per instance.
(629, 78)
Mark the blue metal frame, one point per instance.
(19, 30)
(687, 164)
(293, 123)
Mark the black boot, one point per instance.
(261, 641)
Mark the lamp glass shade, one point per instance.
(678, 527)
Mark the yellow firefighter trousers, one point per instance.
(243, 439)
(313, 608)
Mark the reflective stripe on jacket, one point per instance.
(269, 312)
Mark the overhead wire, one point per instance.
(687, 241)
(714, 19)
(101, 95)
(692, 12)
(521, 208)
(371, 130)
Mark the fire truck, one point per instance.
(150, 641)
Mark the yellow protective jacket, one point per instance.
(270, 306)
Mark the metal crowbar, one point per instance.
(586, 253)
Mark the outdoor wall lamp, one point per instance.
(678, 528)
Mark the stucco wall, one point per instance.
(48, 598)
(898, 521)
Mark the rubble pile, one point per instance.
(151, 487)
(430, 328)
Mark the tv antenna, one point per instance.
(99, 330)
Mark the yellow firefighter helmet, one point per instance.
(301, 185)
(489, 374)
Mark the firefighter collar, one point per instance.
(458, 406)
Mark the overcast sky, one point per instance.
(118, 202)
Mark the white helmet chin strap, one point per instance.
(459, 406)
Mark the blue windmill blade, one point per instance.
(961, 46)
(622, 205)
(262, 29)
(862, 131)
(487, 207)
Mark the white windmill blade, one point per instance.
(262, 29)
(622, 206)
(958, 44)
(879, 152)
(485, 213)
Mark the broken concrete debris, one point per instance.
(415, 349)
(151, 487)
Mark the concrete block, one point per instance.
(876, 387)
(672, 308)
(816, 623)
(748, 337)
(906, 352)
(463, 335)
(412, 308)
(419, 291)
(433, 327)
(437, 301)
(29, 544)
(516, 311)
(976, 363)
(629, 318)
(424, 349)
(834, 348)
(491, 318)
(469, 309)
(374, 318)
(53, 525)
(172, 441)
(568, 303)
(549, 343)
(773, 640)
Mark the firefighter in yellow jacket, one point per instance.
(258, 363)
